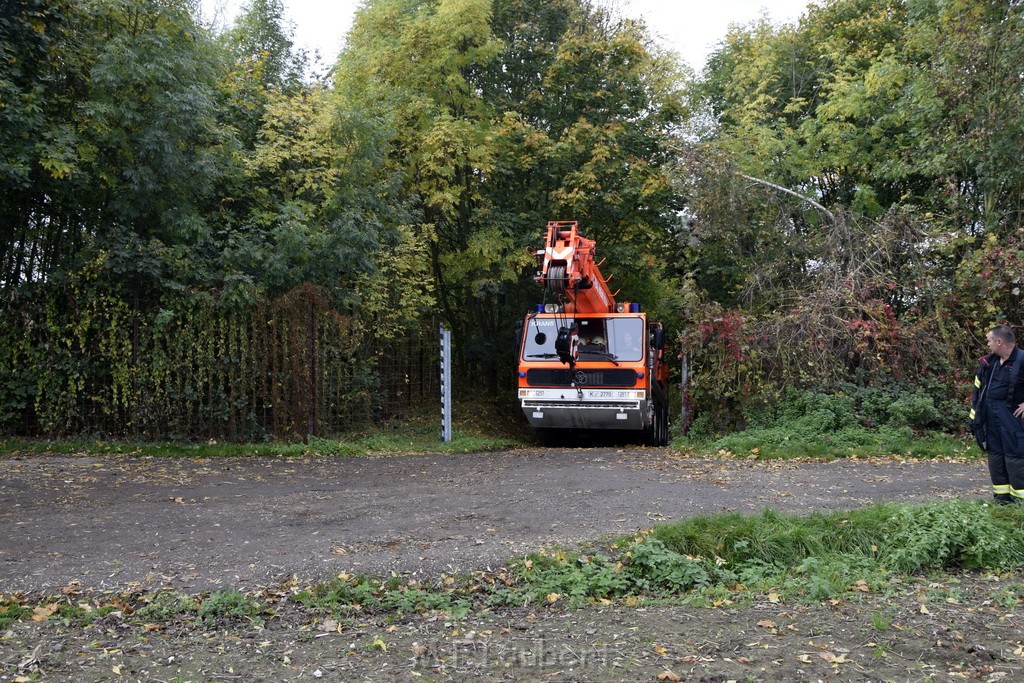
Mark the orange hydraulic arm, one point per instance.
(569, 271)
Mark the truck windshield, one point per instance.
(599, 338)
(626, 338)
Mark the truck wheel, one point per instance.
(665, 426)
(652, 435)
(550, 437)
(657, 433)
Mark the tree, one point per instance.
(506, 115)
(900, 118)
(262, 62)
(114, 144)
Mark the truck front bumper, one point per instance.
(567, 408)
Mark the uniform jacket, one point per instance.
(976, 423)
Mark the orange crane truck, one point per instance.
(587, 362)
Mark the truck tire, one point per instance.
(657, 434)
(651, 436)
(666, 434)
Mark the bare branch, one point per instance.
(780, 188)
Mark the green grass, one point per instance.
(759, 443)
(847, 422)
(369, 444)
(731, 556)
(167, 605)
(11, 611)
(782, 442)
(477, 427)
(223, 607)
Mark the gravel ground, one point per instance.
(200, 524)
(93, 526)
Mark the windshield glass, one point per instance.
(600, 338)
(626, 338)
(540, 338)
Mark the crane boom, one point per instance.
(569, 270)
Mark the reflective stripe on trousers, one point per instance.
(1005, 449)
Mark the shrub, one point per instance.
(655, 568)
(916, 410)
(167, 605)
(226, 606)
(960, 534)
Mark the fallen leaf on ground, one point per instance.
(44, 612)
(832, 658)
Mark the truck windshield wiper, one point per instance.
(543, 355)
(607, 356)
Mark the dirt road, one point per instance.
(115, 522)
(96, 526)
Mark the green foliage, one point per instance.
(833, 203)
(166, 606)
(865, 422)
(815, 557)
(114, 141)
(655, 568)
(403, 441)
(916, 410)
(345, 594)
(12, 611)
(769, 539)
(699, 560)
(193, 370)
(227, 606)
(902, 538)
(576, 577)
(81, 614)
(855, 211)
(502, 116)
(958, 534)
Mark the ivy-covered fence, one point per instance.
(97, 363)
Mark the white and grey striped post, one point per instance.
(446, 385)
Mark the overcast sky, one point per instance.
(690, 27)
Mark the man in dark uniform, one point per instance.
(999, 402)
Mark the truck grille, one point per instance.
(583, 378)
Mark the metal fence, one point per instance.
(288, 369)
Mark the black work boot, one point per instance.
(1004, 499)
